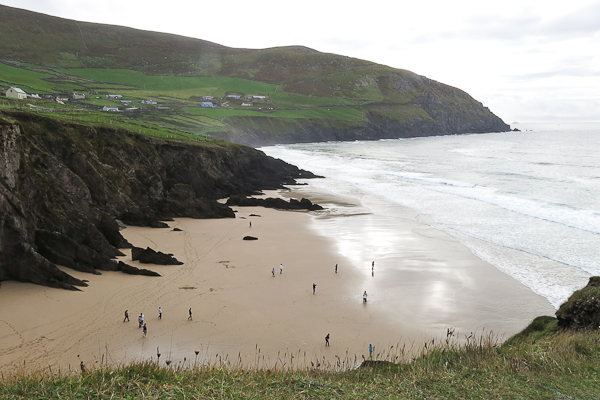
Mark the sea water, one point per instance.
(526, 202)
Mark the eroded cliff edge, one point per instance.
(63, 186)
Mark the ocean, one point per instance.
(526, 202)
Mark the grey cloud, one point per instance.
(584, 22)
(574, 72)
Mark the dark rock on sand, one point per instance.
(150, 256)
(272, 202)
(129, 269)
(63, 250)
(176, 230)
(250, 238)
(582, 310)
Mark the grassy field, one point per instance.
(539, 363)
(201, 86)
(27, 80)
(181, 93)
(340, 100)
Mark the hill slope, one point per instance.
(291, 94)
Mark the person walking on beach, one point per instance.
(159, 313)
(190, 312)
(145, 330)
(142, 314)
(336, 268)
(327, 340)
(273, 271)
(370, 351)
(250, 226)
(314, 287)
(365, 297)
(140, 321)
(372, 265)
(281, 268)
(126, 316)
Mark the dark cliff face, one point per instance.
(445, 119)
(62, 187)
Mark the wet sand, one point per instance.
(241, 311)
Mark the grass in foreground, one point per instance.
(538, 363)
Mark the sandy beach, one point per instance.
(241, 311)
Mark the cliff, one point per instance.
(64, 185)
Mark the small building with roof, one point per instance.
(16, 93)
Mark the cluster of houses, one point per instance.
(126, 104)
(19, 94)
(207, 101)
(211, 104)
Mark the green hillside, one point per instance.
(287, 94)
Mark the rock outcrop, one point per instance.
(129, 269)
(150, 256)
(582, 310)
(273, 202)
(63, 187)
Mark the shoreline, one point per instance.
(240, 308)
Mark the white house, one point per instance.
(208, 98)
(233, 96)
(110, 108)
(246, 104)
(78, 96)
(208, 104)
(16, 93)
(114, 96)
(258, 97)
(149, 101)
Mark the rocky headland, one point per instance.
(65, 187)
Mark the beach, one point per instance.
(246, 315)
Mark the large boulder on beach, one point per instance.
(582, 310)
(129, 269)
(150, 256)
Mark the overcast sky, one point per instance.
(527, 60)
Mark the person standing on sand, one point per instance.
(159, 313)
(336, 268)
(314, 287)
(365, 297)
(370, 351)
(145, 330)
(281, 268)
(140, 321)
(273, 271)
(372, 265)
(126, 316)
(142, 314)
(327, 340)
(250, 226)
(190, 312)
